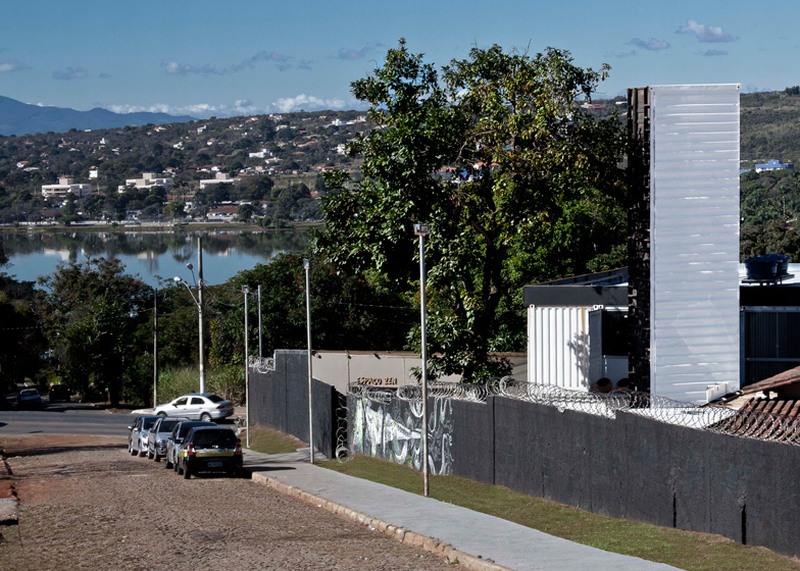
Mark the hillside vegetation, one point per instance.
(769, 123)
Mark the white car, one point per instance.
(200, 406)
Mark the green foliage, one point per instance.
(22, 344)
(92, 317)
(517, 181)
(348, 312)
(770, 206)
(174, 382)
(226, 381)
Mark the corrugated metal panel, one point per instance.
(694, 175)
(771, 341)
(558, 346)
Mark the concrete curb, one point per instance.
(429, 544)
(8, 494)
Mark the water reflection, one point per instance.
(149, 254)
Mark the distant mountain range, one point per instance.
(17, 118)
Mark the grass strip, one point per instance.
(692, 551)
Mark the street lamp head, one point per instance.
(306, 263)
(245, 289)
(421, 229)
(177, 280)
(190, 266)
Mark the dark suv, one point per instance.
(60, 393)
(210, 449)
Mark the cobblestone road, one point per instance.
(87, 504)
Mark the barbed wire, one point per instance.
(342, 451)
(748, 422)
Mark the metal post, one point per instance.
(423, 230)
(200, 312)
(260, 342)
(307, 266)
(155, 347)
(245, 291)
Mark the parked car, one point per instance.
(29, 398)
(157, 436)
(139, 430)
(60, 392)
(201, 406)
(174, 440)
(210, 449)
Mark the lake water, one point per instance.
(151, 255)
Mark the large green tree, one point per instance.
(517, 179)
(97, 320)
(22, 344)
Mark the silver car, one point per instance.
(174, 440)
(157, 437)
(139, 430)
(200, 406)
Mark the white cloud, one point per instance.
(652, 44)
(306, 103)
(9, 66)
(713, 53)
(706, 34)
(242, 107)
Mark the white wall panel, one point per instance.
(694, 266)
(558, 346)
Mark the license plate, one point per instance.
(214, 464)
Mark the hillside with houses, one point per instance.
(269, 167)
(160, 170)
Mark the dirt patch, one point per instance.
(87, 504)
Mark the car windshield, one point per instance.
(215, 398)
(187, 426)
(28, 392)
(215, 439)
(147, 423)
(167, 425)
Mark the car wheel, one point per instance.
(156, 457)
(186, 474)
(205, 417)
(142, 452)
(131, 451)
(167, 463)
(149, 454)
(162, 413)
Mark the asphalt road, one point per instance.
(64, 418)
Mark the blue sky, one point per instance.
(206, 58)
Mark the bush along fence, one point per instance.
(624, 455)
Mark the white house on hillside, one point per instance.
(65, 186)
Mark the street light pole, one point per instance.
(155, 347)
(245, 291)
(307, 266)
(198, 301)
(200, 312)
(422, 230)
(260, 343)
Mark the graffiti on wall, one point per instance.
(391, 430)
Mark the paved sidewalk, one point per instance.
(477, 541)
